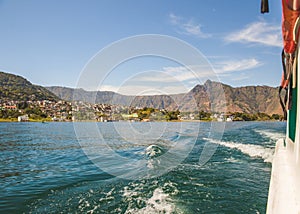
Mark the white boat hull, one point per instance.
(284, 191)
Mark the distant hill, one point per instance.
(107, 97)
(249, 99)
(17, 88)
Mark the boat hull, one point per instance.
(284, 190)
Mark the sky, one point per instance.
(53, 43)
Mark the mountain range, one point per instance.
(248, 99)
(206, 97)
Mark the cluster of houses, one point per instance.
(220, 117)
(69, 111)
(57, 111)
(79, 110)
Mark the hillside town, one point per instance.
(47, 110)
(23, 101)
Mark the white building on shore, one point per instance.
(23, 118)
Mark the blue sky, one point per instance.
(50, 42)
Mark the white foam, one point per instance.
(159, 202)
(108, 196)
(129, 193)
(272, 135)
(255, 151)
(232, 160)
(153, 151)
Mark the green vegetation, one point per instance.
(84, 115)
(238, 116)
(33, 113)
(172, 115)
(206, 116)
(151, 114)
(8, 120)
(9, 114)
(145, 113)
(13, 87)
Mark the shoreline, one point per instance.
(13, 120)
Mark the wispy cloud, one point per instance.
(108, 88)
(184, 73)
(139, 89)
(187, 27)
(149, 83)
(236, 65)
(180, 79)
(193, 72)
(174, 75)
(259, 32)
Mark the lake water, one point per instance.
(136, 167)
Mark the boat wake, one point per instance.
(152, 153)
(272, 135)
(254, 151)
(159, 201)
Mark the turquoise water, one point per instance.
(43, 168)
